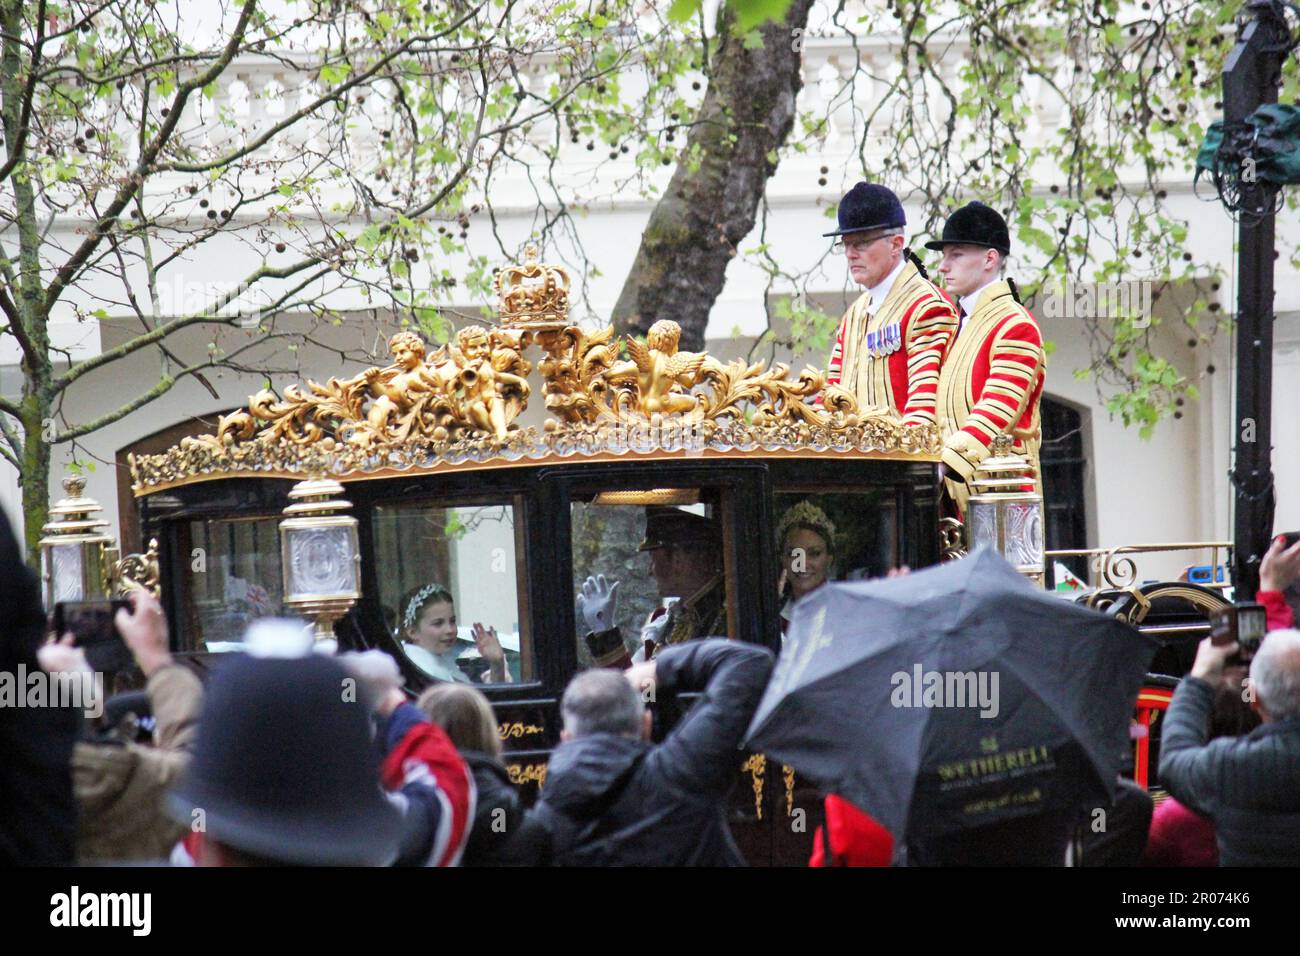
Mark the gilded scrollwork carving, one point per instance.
(520, 774)
(756, 766)
(952, 539)
(459, 403)
(517, 729)
(139, 572)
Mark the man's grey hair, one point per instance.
(1275, 673)
(601, 701)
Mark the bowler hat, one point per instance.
(869, 206)
(285, 767)
(673, 527)
(975, 224)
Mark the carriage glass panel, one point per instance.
(232, 578)
(833, 534)
(668, 551)
(447, 570)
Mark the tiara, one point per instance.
(805, 513)
(413, 606)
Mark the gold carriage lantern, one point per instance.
(76, 554)
(1003, 515)
(320, 554)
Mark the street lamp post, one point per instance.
(1251, 76)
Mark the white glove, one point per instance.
(598, 602)
(658, 629)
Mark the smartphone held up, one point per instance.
(92, 627)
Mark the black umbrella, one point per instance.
(956, 697)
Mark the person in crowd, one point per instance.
(686, 561)
(1180, 836)
(269, 785)
(37, 809)
(1248, 785)
(432, 644)
(120, 784)
(614, 799)
(807, 543)
(1279, 583)
(1122, 835)
(497, 835)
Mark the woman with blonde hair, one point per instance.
(498, 835)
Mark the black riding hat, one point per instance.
(869, 206)
(975, 224)
(285, 767)
(675, 528)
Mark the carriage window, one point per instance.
(233, 578)
(450, 586)
(664, 549)
(848, 535)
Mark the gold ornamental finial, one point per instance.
(533, 294)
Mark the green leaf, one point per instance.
(683, 10)
(334, 73)
(751, 13)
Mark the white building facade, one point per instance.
(1172, 487)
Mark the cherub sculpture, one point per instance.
(480, 379)
(662, 374)
(397, 387)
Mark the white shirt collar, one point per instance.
(878, 292)
(968, 302)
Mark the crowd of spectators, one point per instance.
(287, 756)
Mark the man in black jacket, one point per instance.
(614, 799)
(38, 824)
(1250, 785)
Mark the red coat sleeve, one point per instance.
(930, 330)
(856, 838)
(1276, 609)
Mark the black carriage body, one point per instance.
(775, 813)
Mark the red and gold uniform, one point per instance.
(891, 360)
(990, 384)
